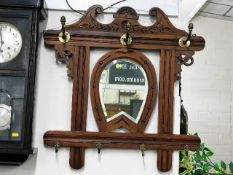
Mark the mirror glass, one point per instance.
(123, 89)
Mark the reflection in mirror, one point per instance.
(123, 90)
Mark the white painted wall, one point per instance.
(185, 9)
(170, 7)
(232, 108)
(188, 9)
(207, 88)
(53, 108)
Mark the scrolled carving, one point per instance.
(64, 55)
(185, 57)
(161, 26)
(126, 12)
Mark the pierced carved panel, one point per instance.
(161, 26)
(185, 57)
(64, 55)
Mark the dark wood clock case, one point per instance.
(18, 77)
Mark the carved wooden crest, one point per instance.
(88, 33)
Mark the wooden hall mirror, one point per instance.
(126, 44)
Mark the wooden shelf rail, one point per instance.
(121, 140)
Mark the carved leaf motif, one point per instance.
(161, 26)
(185, 57)
(64, 55)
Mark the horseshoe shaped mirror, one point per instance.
(129, 78)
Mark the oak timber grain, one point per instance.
(166, 106)
(79, 102)
(121, 140)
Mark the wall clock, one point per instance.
(19, 36)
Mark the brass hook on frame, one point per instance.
(99, 146)
(126, 39)
(143, 149)
(56, 146)
(184, 41)
(63, 36)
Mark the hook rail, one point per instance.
(121, 140)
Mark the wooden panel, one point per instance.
(111, 40)
(166, 99)
(121, 140)
(80, 70)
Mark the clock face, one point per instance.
(10, 42)
(5, 117)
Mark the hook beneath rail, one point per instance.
(99, 146)
(57, 146)
(143, 149)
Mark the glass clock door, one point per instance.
(11, 107)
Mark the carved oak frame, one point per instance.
(88, 33)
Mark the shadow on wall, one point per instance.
(28, 168)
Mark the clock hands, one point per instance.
(1, 42)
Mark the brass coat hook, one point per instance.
(99, 146)
(184, 41)
(143, 149)
(63, 36)
(126, 39)
(56, 146)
